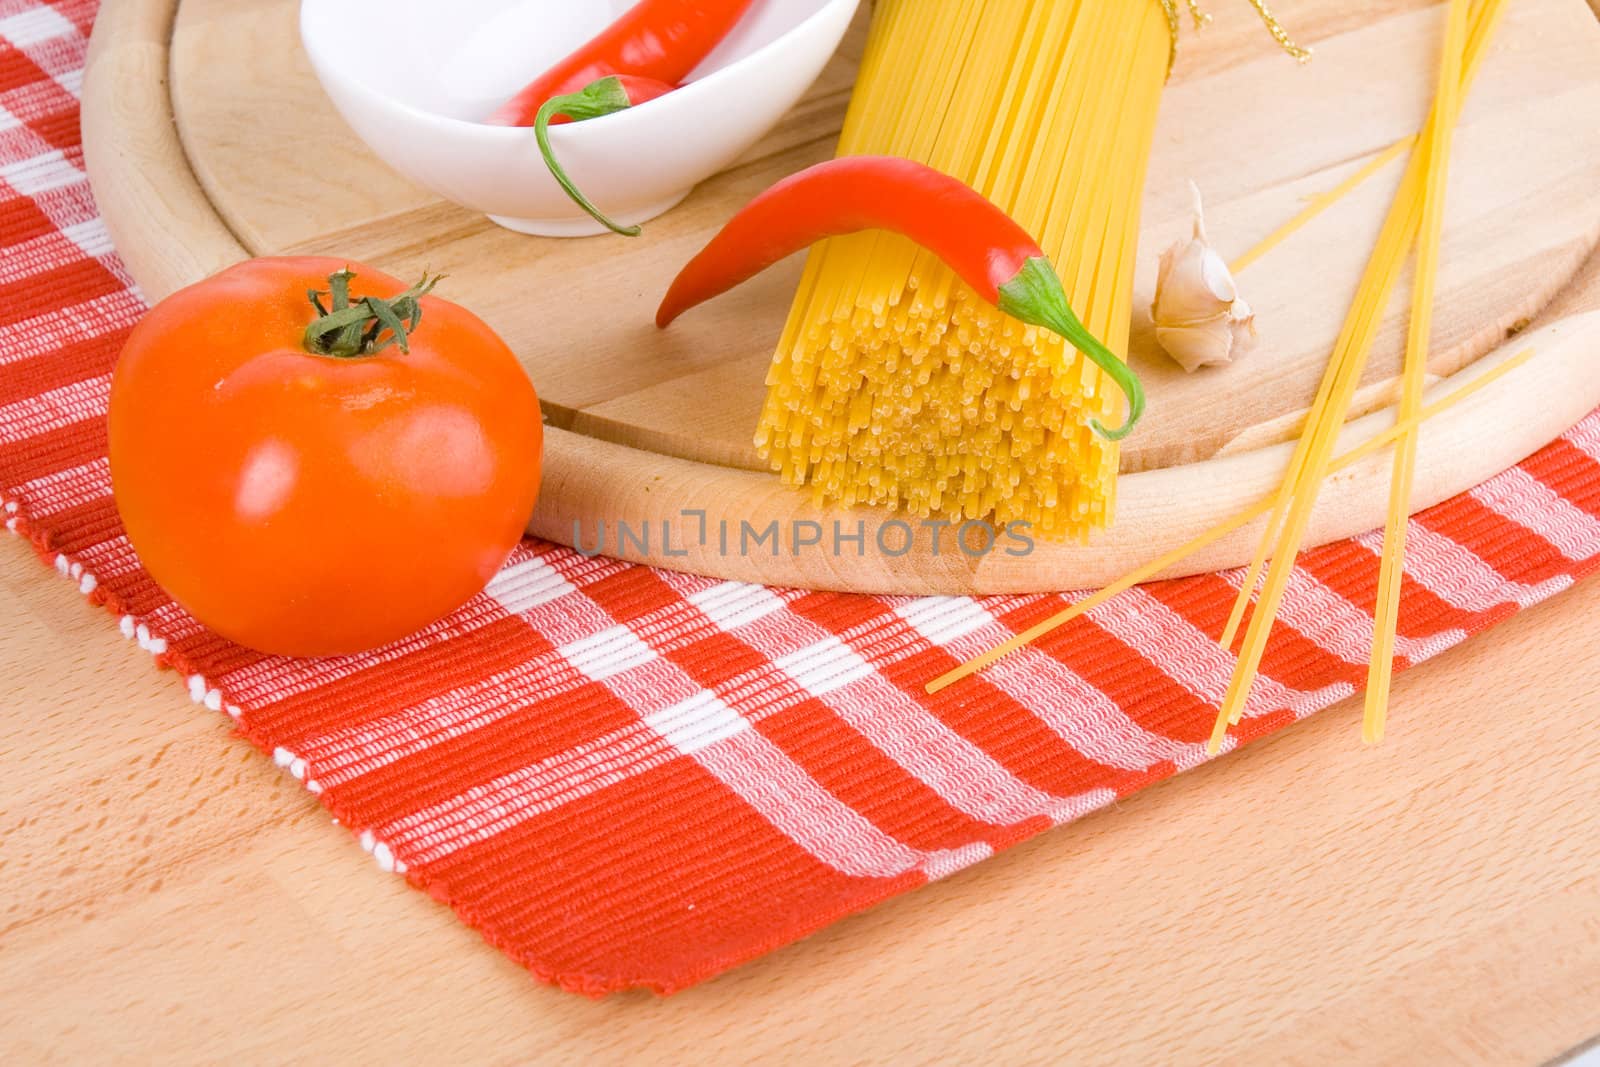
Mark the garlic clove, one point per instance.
(1217, 278)
(1186, 286)
(1200, 345)
(1199, 317)
(1209, 342)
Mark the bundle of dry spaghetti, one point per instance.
(1414, 222)
(894, 384)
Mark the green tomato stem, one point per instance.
(346, 330)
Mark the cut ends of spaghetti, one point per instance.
(895, 383)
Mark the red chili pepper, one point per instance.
(616, 92)
(989, 251)
(662, 40)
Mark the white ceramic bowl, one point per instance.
(413, 76)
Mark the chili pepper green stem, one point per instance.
(346, 330)
(605, 96)
(1037, 297)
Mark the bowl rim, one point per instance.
(689, 91)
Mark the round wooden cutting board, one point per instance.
(209, 140)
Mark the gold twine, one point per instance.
(1201, 18)
(1169, 8)
(1279, 34)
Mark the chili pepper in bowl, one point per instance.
(662, 40)
(605, 96)
(978, 241)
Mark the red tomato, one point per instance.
(308, 504)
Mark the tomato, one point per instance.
(313, 504)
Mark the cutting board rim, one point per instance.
(148, 191)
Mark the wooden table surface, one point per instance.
(168, 895)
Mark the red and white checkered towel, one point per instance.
(627, 777)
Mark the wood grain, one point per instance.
(171, 897)
(1161, 510)
(260, 135)
(250, 118)
(153, 186)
